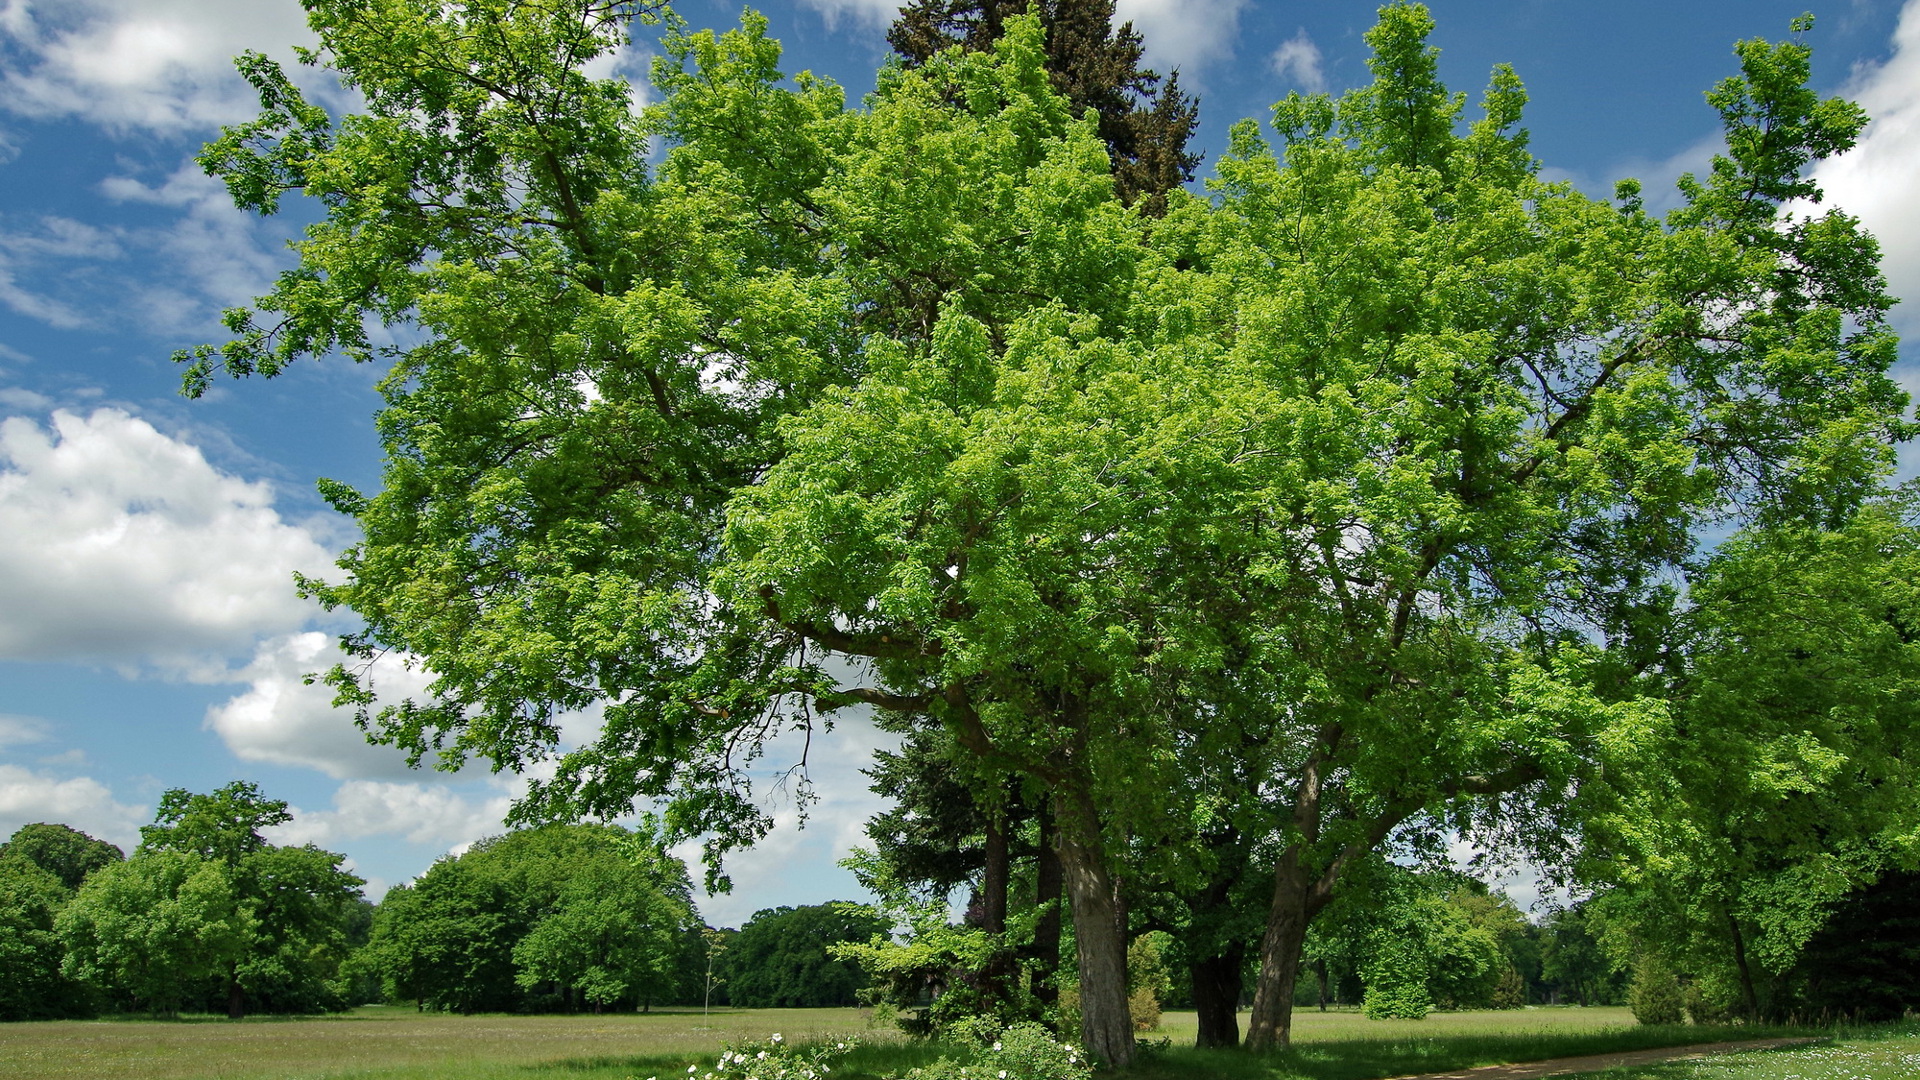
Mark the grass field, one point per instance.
(1885, 1054)
(399, 1044)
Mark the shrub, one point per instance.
(1025, 1051)
(1655, 995)
(774, 1060)
(1397, 1001)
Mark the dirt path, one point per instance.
(1529, 1070)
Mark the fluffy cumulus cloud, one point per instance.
(1190, 35)
(418, 813)
(1298, 61)
(121, 544)
(86, 804)
(283, 719)
(156, 65)
(1876, 181)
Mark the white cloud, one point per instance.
(215, 256)
(419, 813)
(119, 543)
(874, 14)
(82, 802)
(157, 65)
(283, 720)
(1876, 180)
(1186, 34)
(1298, 61)
(15, 729)
(795, 865)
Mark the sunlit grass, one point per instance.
(400, 1044)
(1891, 1053)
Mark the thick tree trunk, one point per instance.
(1048, 888)
(236, 998)
(993, 879)
(1217, 983)
(1271, 1025)
(1105, 1025)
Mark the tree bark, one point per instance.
(1048, 887)
(993, 879)
(1217, 983)
(1271, 1025)
(1320, 974)
(236, 998)
(1746, 972)
(1106, 1027)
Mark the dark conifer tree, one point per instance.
(1146, 121)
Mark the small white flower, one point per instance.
(775, 1040)
(762, 1055)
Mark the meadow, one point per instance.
(392, 1043)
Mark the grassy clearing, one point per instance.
(399, 1044)
(1891, 1053)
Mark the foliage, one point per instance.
(1575, 963)
(569, 917)
(66, 853)
(785, 955)
(152, 931)
(1024, 1051)
(1864, 962)
(1094, 65)
(1369, 478)
(775, 1059)
(1655, 994)
(34, 987)
(292, 903)
(1796, 781)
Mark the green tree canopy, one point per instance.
(155, 930)
(781, 956)
(66, 853)
(563, 916)
(293, 903)
(1366, 481)
(1094, 65)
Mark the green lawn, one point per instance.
(400, 1044)
(1891, 1053)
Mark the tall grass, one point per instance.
(400, 1044)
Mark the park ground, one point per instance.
(389, 1043)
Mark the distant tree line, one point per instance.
(208, 916)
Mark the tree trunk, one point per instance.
(1217, 983)
(1106, 1027)
(1047, 891)
(1320, 974)
(1271, 1025)
(993, 879)
(1746, 972)
(236, 998)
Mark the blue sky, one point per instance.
(149, 635)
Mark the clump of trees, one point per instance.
(785, 956)
(1245, 545)
(559, 918)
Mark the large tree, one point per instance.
(1365, 479)
(292, 903)
(1145, 123)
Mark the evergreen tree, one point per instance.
(1145, 121)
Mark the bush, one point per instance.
(1025, 1051)
(774, 1060)
(1655, 995)
(1397, 1001)
(1143, 1005)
